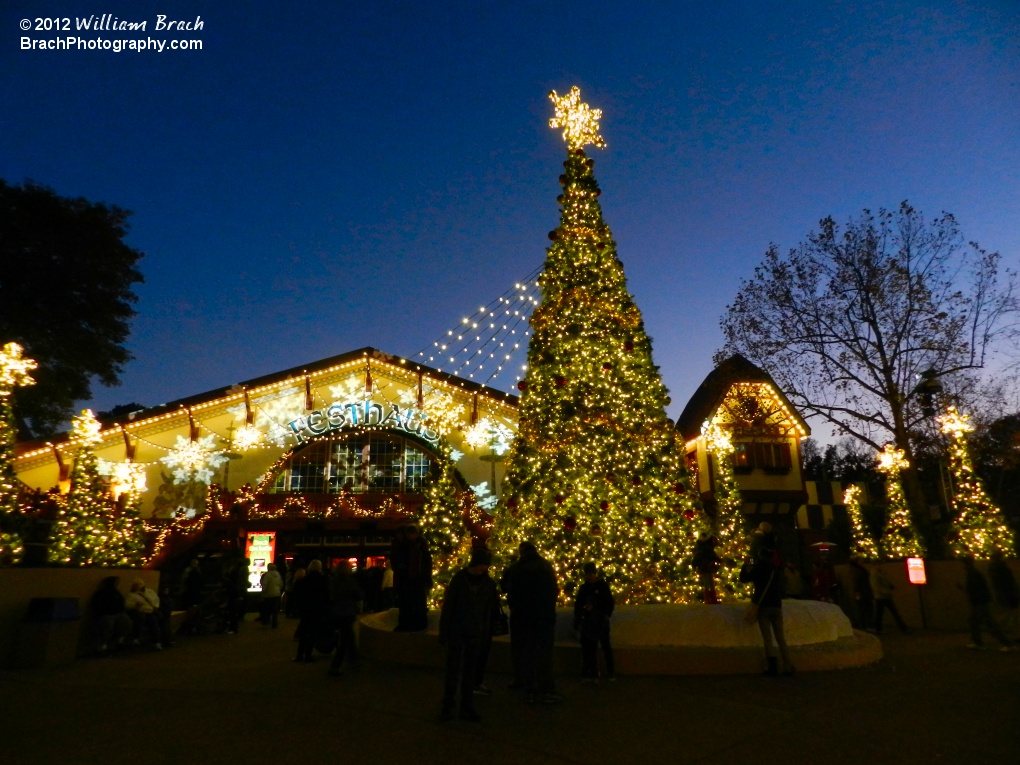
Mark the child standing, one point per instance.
(593, 608)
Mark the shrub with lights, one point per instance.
(15, 372)
(979, 528)
(900, 539)
(596, 472)
(863, 543)
(442, 526)
(91, 530)
(728, 526)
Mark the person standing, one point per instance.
(1007, 595)
(272, 592)
(192, 584)
(980, 598)
(593, 608)
(864, 598)
(412, 579)
(346, 597)
(765, 572)
(470, 604)
(142, 605)
(235, 586)
(883, 591)
(311, 595)
(531, 594)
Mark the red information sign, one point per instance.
(915, 571)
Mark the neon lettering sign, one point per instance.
(366, 414)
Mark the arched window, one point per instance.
(361, 462)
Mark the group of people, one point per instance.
(471, 612)
(128, 619)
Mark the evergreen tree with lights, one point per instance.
(441, 521)
(15, 372)
(728, 525)
(863, 544)
(900, 539)
(596, 472)
(979, 528)
(83, 534)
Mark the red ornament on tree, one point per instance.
(522, 385)
(512, 503)
(679, 488)
(689, 515)
(559, 499)
(607, 367)
(628, 346)
(570, 523)
(561, 381)
(649, 521)
(604, 504)
(636, 480)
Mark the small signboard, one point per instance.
(915, 571)
(259, 550)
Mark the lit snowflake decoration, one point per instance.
(196, 460)
(247, 437)
(485, 498)
(455, 455)
(579, 122)
(892, 460)
(495, 435)
(955, 424)
(350, 391)
(125, 477)
(85, 428)
(14, 369)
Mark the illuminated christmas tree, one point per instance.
(978, 526)
(442, 527)
(900, 539)
(15, 372)
(863, 544)
(83, 534)
(731, 538)
(596, 472)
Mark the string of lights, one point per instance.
(485, 343)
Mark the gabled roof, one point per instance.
(294, 374)
(710, 394)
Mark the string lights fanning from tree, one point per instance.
(979, 528)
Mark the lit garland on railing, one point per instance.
(979, 528)
(899, 539)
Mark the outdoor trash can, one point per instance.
(48, 634)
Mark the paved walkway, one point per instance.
(238, 699)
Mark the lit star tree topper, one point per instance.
(580, 123)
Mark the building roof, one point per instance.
(371, 355)
(710, 394)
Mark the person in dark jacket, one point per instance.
(980, 598)
(470, 605)
(1007, 594)
(109, 614)
(311, 595)
(531, 589)
(412, 579)
(764, 570)
(346, 597)
(593, 608)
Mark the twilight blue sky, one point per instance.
(326, 175)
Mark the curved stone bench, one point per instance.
(661, 640)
